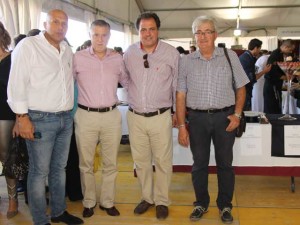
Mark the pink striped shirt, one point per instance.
(152, 88)
(97, 79)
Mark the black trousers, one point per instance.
(272, 98)
(73, 184)
(204, 128)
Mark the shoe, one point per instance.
(110, 211)
(67, 218)
(197, 213)
(162, 212)
(226, 216)
(142, 207)
(12, 208)
(88, 212)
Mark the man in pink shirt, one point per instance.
(153, 71)
(97, 71)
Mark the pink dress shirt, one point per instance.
(97, 79)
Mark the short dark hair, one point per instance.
(18, 38)
(288, 43)
(254, 43)
(193, 47)
(101, 23)
(180, 49)
(147, 15)
(33, 32)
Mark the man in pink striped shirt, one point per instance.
(97, 71)
(153, 70)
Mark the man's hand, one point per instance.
(183, 136)
(26, 128)
(234, 123)
(15, 131)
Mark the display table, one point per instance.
(252, 155)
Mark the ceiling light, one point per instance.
(237, 32)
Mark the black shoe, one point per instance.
(110, 211)
(162, 212)
(226, 216)
(197, 213)
(87, 212)
(142, 207)
(67, 218)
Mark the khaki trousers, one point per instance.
(90, 128)
(151, 141)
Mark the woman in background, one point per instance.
(7, 118)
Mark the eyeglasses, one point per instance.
(204, 33)
(146, 63)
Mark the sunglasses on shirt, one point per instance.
(146, 63)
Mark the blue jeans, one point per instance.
(48, 157)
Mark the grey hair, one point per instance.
(203, 19)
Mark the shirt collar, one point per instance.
(108, 51)
(140, 46)
(62, 44)
(217, 52)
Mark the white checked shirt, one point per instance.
(208, 83)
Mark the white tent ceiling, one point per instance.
(255, 17)
(252, 15)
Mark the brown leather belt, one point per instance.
(150, 114)
(106, 109)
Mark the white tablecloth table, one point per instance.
(252, 154)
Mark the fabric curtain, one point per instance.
(29, 12)
(9, 16)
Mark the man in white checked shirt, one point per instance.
(153, 71)
(214, 108)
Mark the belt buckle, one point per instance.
(210, 111)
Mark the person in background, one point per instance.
(18, 38)
(97, 71)
(85, 45)
(192, 49)
(257, 104)
(181, 50)
(248, 59)
(275, 77)
(22, 183)
(205, 89)
(8, 127)
(33, 32)
(40, 92)
(153, 70)
(119, 50)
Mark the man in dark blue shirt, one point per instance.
(248, 59)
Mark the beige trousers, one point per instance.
(91, 128)
(151, 141)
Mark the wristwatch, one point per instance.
(238, 115)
